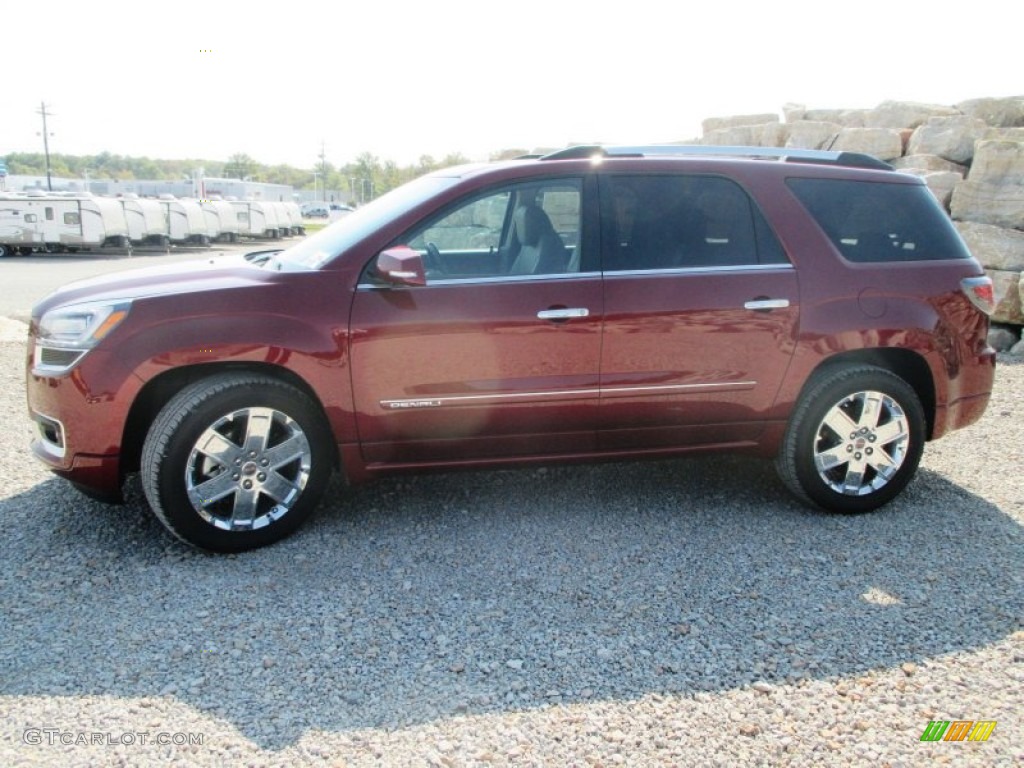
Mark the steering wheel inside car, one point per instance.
(432, 260)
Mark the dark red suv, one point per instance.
(815, 307)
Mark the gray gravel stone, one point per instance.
(682, 612)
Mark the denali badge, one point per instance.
(410, 403)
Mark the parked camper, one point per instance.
(221, 220)
(284, 219)
(49, 223)
(295, 217)
(147, 222)
(186, 223)
(256, 219)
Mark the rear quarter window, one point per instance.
(876, 221)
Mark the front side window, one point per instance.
(871, 221)
(521, 229)
(72, 218)
(680, 222)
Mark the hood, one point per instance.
(184, 277)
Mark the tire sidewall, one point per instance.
(829, 392)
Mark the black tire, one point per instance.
(875, 456)
(5, 251)
(223, 411)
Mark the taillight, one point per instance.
(979, 291)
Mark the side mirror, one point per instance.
(401, 265)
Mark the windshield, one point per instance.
(317, 250)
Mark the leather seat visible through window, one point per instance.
(541, 250)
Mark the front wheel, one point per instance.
(236, 461)
(854, 439)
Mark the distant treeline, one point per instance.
(366, 177)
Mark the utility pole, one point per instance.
(46, 143)
(323, 166)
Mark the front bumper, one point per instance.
(80, 419)
(98, 477)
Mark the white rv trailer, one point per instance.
(147, 223)
(284, 219)
(256, 219)
(295, 217)
(50, 223)
(221, 220)
(186, 223)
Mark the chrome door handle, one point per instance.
(562, 314)
(763, 305)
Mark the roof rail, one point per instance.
(784, 154)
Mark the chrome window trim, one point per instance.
(488, 280)
(745, 268)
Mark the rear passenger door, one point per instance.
(701, 311)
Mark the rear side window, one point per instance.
(872, 221)
(682, 222)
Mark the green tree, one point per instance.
(240, 166)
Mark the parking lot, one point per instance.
(663, 613)
(26, 279)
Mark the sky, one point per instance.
(277, 81)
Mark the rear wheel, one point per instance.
(854, 440)
(236, 461)
(5, 250)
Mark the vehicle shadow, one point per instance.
(423, 597)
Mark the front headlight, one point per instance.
(65, 334)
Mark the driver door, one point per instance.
(483, 361)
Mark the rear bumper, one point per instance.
(959, 414)
(967, 395)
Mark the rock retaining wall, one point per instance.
(971, 155)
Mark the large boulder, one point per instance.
(759, 135)
(883, 143)
(928, 163)
(904, 114)
(1002, 339)
(791, 111)
(851, 118)
(1001, 113)
(988, 203)
(717, 123)
(998, 162)
(1004, 134)
(993, 192)
(1006, 286)
(811, 134)
(995, 247)
(941, 183)
(949, 137)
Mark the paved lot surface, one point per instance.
(669, 613)
(24, 280)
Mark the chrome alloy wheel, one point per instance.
(861, 443)
(248, 469)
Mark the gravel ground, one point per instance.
(667, 613)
